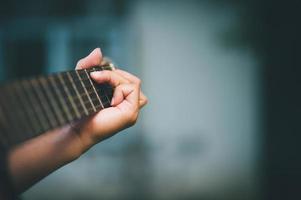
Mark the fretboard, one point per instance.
(32, 106)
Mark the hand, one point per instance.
(127, 100)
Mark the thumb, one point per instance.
(93, 59)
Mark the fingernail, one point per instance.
(95, 51)
(94, 74)
(99, 49)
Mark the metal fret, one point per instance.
(74, 95)
(35, 105)
(19, 114)
(61, 99)
(68, 95)
(43, 101)
(82, 92)
(25, 105)
(4, 129)
(8, 120)
(93, 88)
(79, 97)
(106, 94)
(77, 73)
(89, 88)
(53, 102)
(12, 116)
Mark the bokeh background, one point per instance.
(223, 82)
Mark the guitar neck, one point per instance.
(31, 107)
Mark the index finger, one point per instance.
(110, 77)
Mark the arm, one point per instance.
(38, 157)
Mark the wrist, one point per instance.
(69, 142)
(82, 142)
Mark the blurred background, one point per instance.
(223, 82)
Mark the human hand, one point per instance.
(127, 101)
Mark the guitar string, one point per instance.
(19, 137)
(85, 102)
(94, 100)
(104, 89)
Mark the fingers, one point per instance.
(128, 92)
(93, 59)
(118, 82)
(110, 77)
(143, 99)
(116, 78)
(131, 95)
(117, 97)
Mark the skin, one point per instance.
(33, 160)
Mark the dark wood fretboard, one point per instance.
(31, 107)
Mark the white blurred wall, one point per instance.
(202, 119)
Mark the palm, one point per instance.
(107, 122)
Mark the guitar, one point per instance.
(30, 107)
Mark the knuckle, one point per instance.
(145, 100)
(107, 75)
(138, 81)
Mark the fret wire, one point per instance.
(75, 97)
(81, 95)
(95, 99)
(43, 101)
(77, 101)
(61, 99)
(84, 94)
(38, 111)
(82, 80)
(11, 104)
(68, 95)
(8, 118)
(105, 94)
(93, 87)
(32, 118)
(100, 105)
(77, 73)
(13, 116)
(96, 88)
(4, 123)
(20, 108)
(98, 108)
(18, 113)
(88, 101)
(106, 89)
(89, 71)
(52, 101)
(91, 110)
(89, 87)
(75, 89)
